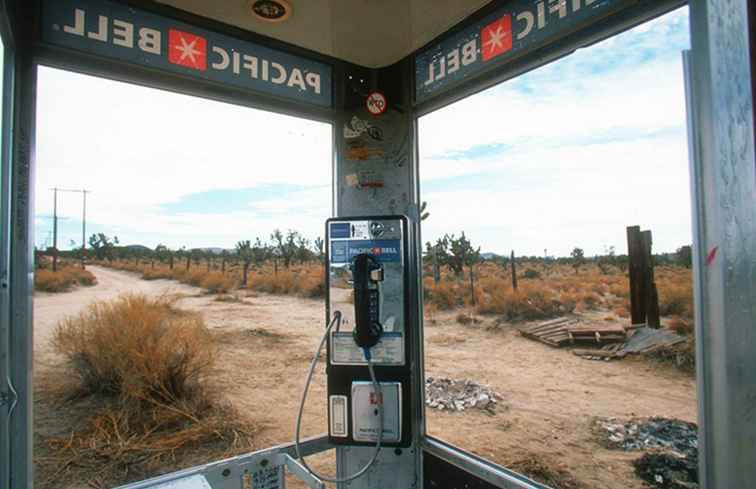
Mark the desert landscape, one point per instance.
(550, 408)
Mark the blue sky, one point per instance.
(564, 156)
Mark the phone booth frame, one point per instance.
(721, 138)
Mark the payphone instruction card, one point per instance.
(388, 351)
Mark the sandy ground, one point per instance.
(550, 396)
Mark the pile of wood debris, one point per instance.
(607, 340)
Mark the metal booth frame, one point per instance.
(719, 85)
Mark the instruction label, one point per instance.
(388, 351)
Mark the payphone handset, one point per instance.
(367, 274)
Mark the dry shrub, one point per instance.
(528, 302)
(444, 295)
(147, 362)
(137, 348)
(63, 280)
(217, 283)
(676, 299)
(681, 326)
(681, 356)
(552, 474)
(195, 277)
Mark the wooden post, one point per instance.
(170, 260)
(188, 262)
(436, 268)
(652, 295)
(635, 272)
(472, 284)
(514, 270)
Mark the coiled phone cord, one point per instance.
(376, 389)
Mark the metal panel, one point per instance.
(229, 473)
(115, 31)
(723, 169)
(477, 467)
(21, 268)
(7, 391)
(375, 175)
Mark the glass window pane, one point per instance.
(209, 215)
(551, 168)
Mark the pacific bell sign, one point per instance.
(118, 32)
(512, 31)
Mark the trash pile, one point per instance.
(668, 470)
(672, 458)
(672, 434)
(457, 395)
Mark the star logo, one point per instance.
(496, 38)
(187, 50)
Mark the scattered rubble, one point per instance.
(672, 460)
(671, 434)
(457, 395)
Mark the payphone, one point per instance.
(367, 353)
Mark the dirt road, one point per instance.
(51, 308)
(550, 396)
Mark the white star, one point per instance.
(188, 50)
(496, 39)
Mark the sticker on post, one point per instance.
(376, 103)
(338, 411)
(388, 351)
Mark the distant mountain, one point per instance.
(137, 247)
(489, 256)
(213, 250)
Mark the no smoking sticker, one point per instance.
(376, 103)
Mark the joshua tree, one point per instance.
(244, 251)
(578, 258)
(319, 246)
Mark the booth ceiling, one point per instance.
(371, 33)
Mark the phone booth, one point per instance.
(371, 69)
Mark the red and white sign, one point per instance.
(496, 38)
(187, 50)
(376, 103)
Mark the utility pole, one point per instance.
(84, 229)
(84, 193)
(55, 229)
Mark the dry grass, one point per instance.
(551, 290)
(148, 363)
(304, 281)
(65, 279)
